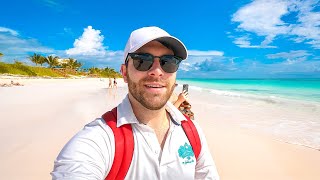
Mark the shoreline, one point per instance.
(261, 97)
(263, 89)
(287, 120)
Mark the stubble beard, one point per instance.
(149, 101)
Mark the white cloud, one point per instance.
(265, 18)
(13, 44)
(115, 53)
(56, 5)
(12, 32)
(299, 63)
(88, 44)
(245, 43)
(15, 47)
(250, 68)
(202, 62)
(196, 56)
(186, 66)
(68, 30)
(308, 28)
(291, 57)
(205, 53)
(50, 3)
(215, 65)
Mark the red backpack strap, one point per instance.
(193, 136)
(124, 145)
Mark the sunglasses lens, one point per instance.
(142, 62)
(170, 64)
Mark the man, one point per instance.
(151, 59)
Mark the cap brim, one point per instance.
(177, 46)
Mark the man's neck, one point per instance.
(158, 120)
(153, 118)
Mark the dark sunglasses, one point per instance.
(144, 61)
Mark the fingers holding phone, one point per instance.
(185, 87)
(185, 90)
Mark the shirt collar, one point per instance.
(125, 113)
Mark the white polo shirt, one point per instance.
(89, 154)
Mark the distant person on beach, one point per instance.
(16, 84)
(145, 136)
(110, 83)
(11, 84)
(114, 82)
(5, 85)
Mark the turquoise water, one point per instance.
(294, 102)
(296, 89)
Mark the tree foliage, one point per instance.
(37, 59)
(72, 64)
(52, 61)
(106, 72)
(69, 66)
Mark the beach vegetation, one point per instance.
(71, 69)
(71, 63)
(56, 67)
(109, 71)
(18, 68)
(37, 59)
(103, 72)
(52, 61)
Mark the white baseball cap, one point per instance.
(142, 36)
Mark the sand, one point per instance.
(41, 116)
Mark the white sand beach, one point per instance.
(41, 116)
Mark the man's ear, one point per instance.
(124, 72)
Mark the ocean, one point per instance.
(295, 89)
(301, 95)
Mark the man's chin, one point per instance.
(153, 107)
(153, 104)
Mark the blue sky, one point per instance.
(225, 39)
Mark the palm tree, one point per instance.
(94, 70)
(52, 61)
(37, 59)
(64, 65)
(74, 64)
(42, 60)
(109, 71)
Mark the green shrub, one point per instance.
(4, 68)
(25, 70)
(22, 69)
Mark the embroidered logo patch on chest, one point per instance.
(186, 153)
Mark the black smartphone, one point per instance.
(185, 87)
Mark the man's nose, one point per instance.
(156, 69)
